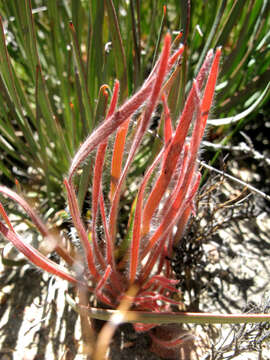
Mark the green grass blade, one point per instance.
(82, 75)
(95, 55)
(118, 49)
(212, 34)
(61, 53)
(177, 317)
(160, 33)
(230, 22)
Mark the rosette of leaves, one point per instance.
(160, 210)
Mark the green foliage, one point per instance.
(56, 55)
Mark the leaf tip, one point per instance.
(219, 48)
(179, 35)
(164, 10)
(104, 89)
(71, 26)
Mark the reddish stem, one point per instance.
(75, 213)
(135, 244)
